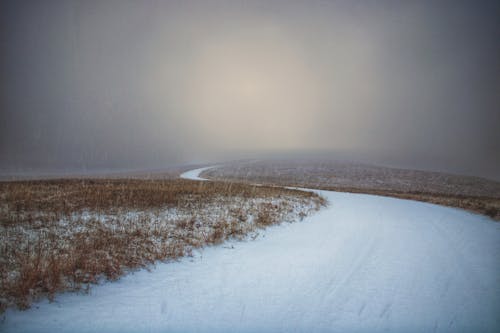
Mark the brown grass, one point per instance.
(61, 235)
(482, 205)
(474, 194)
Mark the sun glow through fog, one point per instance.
(258, 89)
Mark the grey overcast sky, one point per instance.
(104, 85)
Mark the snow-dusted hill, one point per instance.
(363, 264)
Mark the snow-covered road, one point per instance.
(363, 264)
(195, 174)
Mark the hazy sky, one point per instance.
(90, 85)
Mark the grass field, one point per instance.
(58, 235)
(475, 194)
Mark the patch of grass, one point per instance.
(59, 235)
(474, 194)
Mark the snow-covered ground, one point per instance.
(363, 264)
(195, 174)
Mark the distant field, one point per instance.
(170, 172)
(65, 234)
(471, 193)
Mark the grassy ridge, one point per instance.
(475, 194)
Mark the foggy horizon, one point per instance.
(125, 85)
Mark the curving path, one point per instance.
(364, 264)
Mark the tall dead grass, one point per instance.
(470, 193)
(68, 234)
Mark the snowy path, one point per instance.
(195, 174)
(364, 264)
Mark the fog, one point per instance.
(120, 85)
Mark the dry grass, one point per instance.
(67, 234)
(482, 205)
(471, 193)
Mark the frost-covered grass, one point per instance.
(471, 193)
(67, 234)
